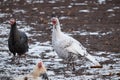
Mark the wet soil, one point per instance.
(76, 17)
(98, 19)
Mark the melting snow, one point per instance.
(116, 7)
(78, 4)
(42, 12)
(111, 15)
(101, 1)
(51, 59)
(97, 33)
(19, 10)
(52, 2)
(110, 10)
(4, 29)
(37, 48)
(85, 11)
(35, 1)
(64, 17)
(3, 15)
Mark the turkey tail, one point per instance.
(79, 49)
(92, 59)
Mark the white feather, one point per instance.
(64, 45)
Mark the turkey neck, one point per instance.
(56, 30)
(38, 71)
(13, 32)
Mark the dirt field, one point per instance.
(95, 23)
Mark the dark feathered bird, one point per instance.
(18, 40)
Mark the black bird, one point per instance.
(18, 40)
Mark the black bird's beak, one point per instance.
(45, 76)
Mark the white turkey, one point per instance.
(67, 47)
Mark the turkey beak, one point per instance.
(45, 76)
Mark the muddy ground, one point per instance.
(95, 23)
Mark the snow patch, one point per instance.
(97, 33)
(3, 15)
(101, 1)
(78, 4)
(110, 10)
(84, 11)
(18, 11)
(64, 17)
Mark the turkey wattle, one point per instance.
(18, 40)
(67, 47)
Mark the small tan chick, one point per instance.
(39, 70)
